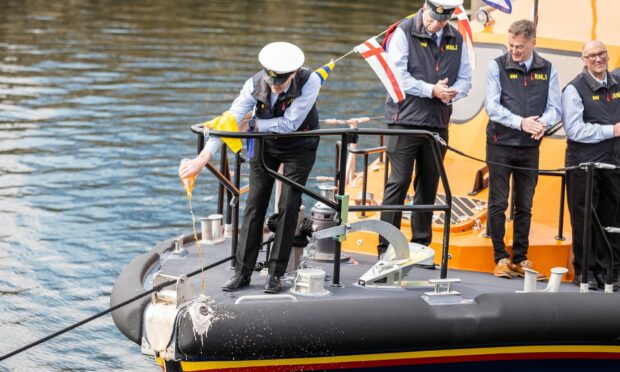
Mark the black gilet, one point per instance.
(262, 93)
(430, 63)
(522, 93)
(601, 105)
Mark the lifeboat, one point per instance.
(342, 307)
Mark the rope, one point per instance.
(115, 307)
(376, 36)
(358, 120)
(509, 166)
(459, 152)
(364, 119)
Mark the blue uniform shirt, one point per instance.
(398, 51)
(293, 116)
(572, 118)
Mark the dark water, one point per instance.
(95, 101)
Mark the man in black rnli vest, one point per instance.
(591, 117)
(430, 55)
(282, 99)
(522, 99)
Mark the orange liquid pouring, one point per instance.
(188, 185)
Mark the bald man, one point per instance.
(591, 118)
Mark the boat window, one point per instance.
(468, 107)
(569, 65)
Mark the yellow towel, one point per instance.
(226, 123)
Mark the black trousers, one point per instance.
(297, 167)
(499, 189)
(403, 153)
(605, 201)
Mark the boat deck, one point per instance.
(471, 285)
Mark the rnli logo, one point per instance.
(596, 98)
(423, 44)
(514, 76)
(540, 77)
(439, 10)
(452, 47)
(615, 95)
(272, 73)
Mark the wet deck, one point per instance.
(471, 285)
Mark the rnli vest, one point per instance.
(524, 94)
(602, 106)
(264, 110)
(430, 63)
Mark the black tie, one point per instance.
(524, 67)
(604, 84)
(434, 37)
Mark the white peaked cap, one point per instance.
(281, 57)
(448, 4)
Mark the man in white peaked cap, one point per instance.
(281, 98)
(432, 59)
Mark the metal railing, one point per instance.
(341, 202)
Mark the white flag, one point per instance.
(378, 59)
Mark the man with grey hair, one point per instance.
(591, 118)
(522, 100)
(432, 59)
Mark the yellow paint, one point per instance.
(201, 366)
(594, 18)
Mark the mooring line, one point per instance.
(115, 307)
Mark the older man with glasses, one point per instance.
(591, 118)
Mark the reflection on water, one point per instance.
(95, 102)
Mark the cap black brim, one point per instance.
(275, 80)
(439, 17)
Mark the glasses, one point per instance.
(592, 57)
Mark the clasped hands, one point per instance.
(534, 126)
(443, 92)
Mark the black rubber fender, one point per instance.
(130, 283)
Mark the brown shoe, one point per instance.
(502, 269)
(527, 264)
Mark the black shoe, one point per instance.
(600, 280)
(273, 284)
(237, 282)
(592, 284)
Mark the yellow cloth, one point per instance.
(226, 123)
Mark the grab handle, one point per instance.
(266, 298)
